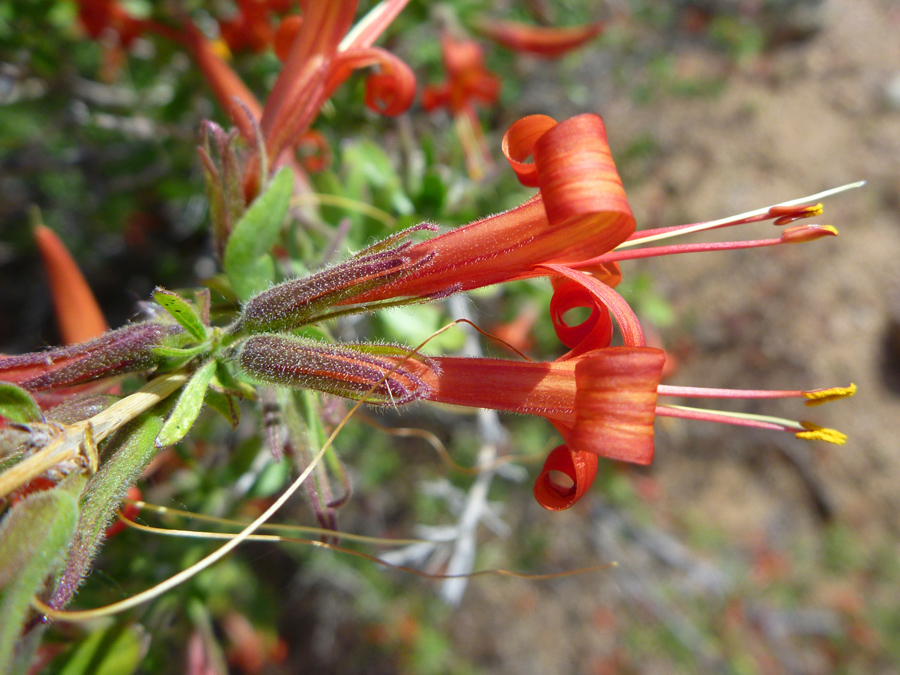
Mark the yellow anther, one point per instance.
(788, 214)
(820, 396)
(800, 234)
(816, 433)
(814, 210)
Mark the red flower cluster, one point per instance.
(602, 399)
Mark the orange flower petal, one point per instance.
(566, 476)
(531, 388)
(615, 402)
(77, 313)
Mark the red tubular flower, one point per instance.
(580, 212)
(602, 399)
(319, 56)
(603, 402)
(546, 42)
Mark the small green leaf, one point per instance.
(188, 407)
(117, 650)
(181, 311)
(255, 234)
(170, 358)
(34, 537)
(16, 404)
(226, 405)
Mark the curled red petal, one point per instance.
(595, 332)
(518, 145)
(548, 42)
(566, 476)
(615, 402)
(576, 172)
(632, 332)
(391, 90)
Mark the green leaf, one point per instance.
(188, 407)
(34, 538)
(117, 650)
(226, 405)
(255, 234)
(170, 358)
(181, 311)
(16, 404)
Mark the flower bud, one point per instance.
(126, 350)
(300, 301)
(356, 371)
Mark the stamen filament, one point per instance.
(736, 418)
(703, 392)
(655, 251)
(749, 216)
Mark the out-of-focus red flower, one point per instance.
(250, 28)
(77, 313)
(543, 41)
(250, 650)
(318, 54)
(517, 333)
(468, 82)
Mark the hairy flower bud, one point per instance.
(300, 301)
(355, 371)
(126, 350)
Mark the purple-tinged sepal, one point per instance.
(126, 350)
(356, 371)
